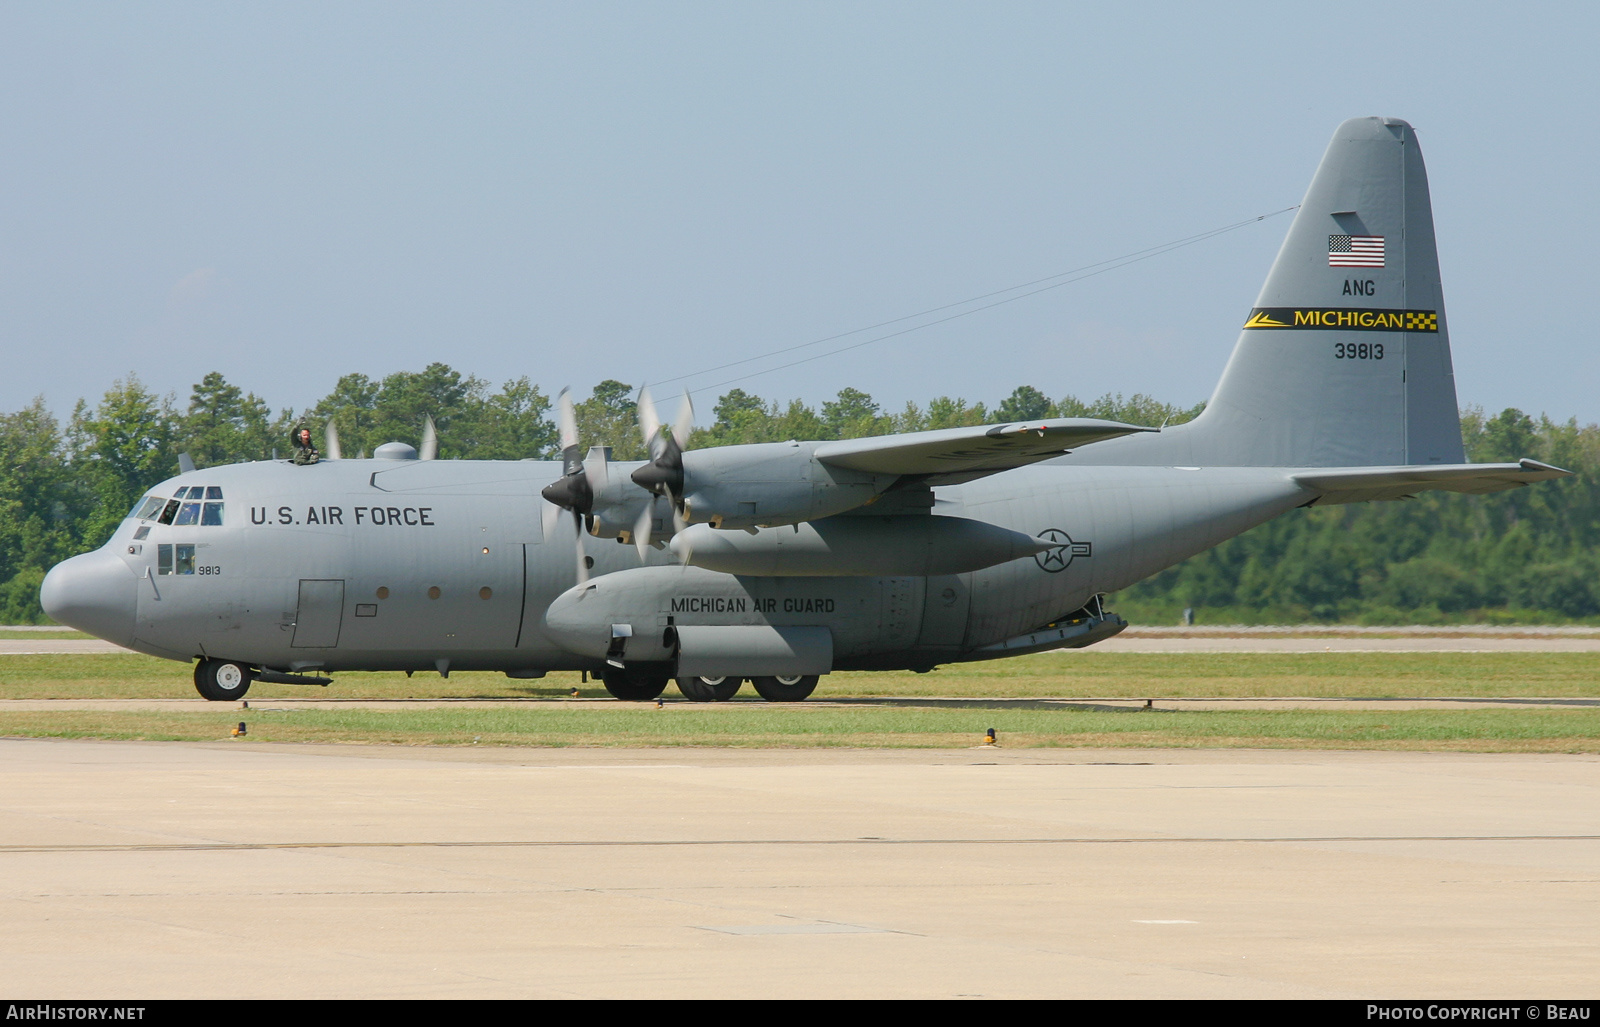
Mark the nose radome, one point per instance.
(95, 592)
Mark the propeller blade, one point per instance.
(549, 516)
(682, 544)
(649, 422)
(641, 531)
(594, 468)
(567, 419)
(683, 424)
(331, 441)
(430, 441)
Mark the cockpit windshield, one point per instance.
(184, 508)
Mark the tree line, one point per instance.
(1520, 556)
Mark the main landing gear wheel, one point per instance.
(221, 680)
(785, 689)
(704, 689)
(631, 685)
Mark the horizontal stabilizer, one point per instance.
(953, 455)
(1361, 484)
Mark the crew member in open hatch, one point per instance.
(304, 451)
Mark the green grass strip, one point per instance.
(1061, 675)
(760, 725)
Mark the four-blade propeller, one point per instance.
(663, 475)
(580, 481)
(572, 491)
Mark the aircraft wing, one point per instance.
(954, 455)
(1360, 484)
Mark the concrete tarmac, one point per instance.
(240, 870)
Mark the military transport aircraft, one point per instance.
(777, 563)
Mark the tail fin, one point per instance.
(1345, 359)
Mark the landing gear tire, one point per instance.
(710, 689)
(221, 680)
(632, 685)
(785, 689)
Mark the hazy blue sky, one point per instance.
(290, 192)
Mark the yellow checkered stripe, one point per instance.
(1342, 319)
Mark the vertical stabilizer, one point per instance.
(1345, 359)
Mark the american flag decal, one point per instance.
(1355, 251)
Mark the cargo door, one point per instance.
(320, 614)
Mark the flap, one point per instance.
(1359, 484)
(984, 449)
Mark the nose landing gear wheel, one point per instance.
(221, 680)
(710, 689)
(785, 689)
(632, 685)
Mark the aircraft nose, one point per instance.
(95, 592)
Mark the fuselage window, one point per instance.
(188, 514)
(212, 514)
(185, 561)
(142, 533)
(163, 559)
(169, 512)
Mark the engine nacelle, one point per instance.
(772, 483)
(617, 508)
(857, 546)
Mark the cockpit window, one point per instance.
(183, 508)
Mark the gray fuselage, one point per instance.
(399, 565)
